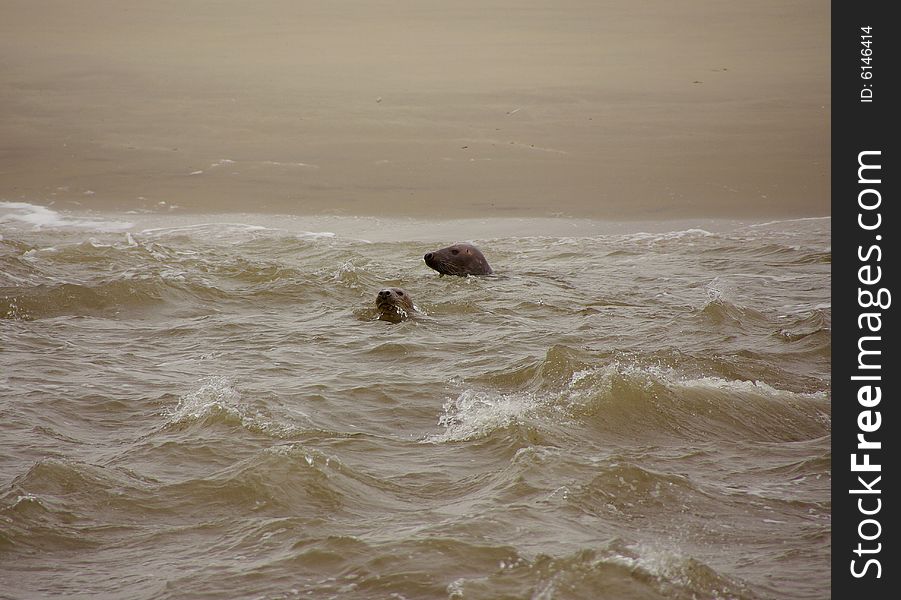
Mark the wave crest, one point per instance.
(626, 396)
(218, 401)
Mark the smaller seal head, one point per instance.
(459, 259)
(394, 304)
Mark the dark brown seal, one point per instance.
(394, 304)
(459, 259)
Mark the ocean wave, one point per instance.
(629, 396)
(350, 567)
(44, 301)
(614, 570)
(104, 277)
(721, 312)
(107, 299)
(269, 482)
(476, 414)
(41, 217)
(232, 233)
(47, 507)
(218, 401)
(601, 388)
(622, 397)
(627, 490)
(798, 220)
(667, 235)
(815, 324)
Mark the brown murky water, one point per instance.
(206, 407)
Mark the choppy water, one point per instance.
(206, 407)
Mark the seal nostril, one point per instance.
(428, 256)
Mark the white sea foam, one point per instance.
(589, 380)
(41, 217)
(790, 221)
(312, 235)
(236, 232)
(219, 227)
(755, 388)
(222, 161)
(662, 564)
(32, 254)
(474, 414)
(276, 163)
(643, 236)
(219, 395)
(714, 291)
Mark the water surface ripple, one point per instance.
(205, 409)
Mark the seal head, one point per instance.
(394, 304)
(459, 259)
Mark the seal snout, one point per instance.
(431, 259)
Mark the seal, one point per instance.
(459, 259)
(394, 304)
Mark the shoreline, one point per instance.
(32, 217)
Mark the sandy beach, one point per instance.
(609, 110)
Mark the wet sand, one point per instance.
(610, 110)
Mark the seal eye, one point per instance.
(455, 251)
